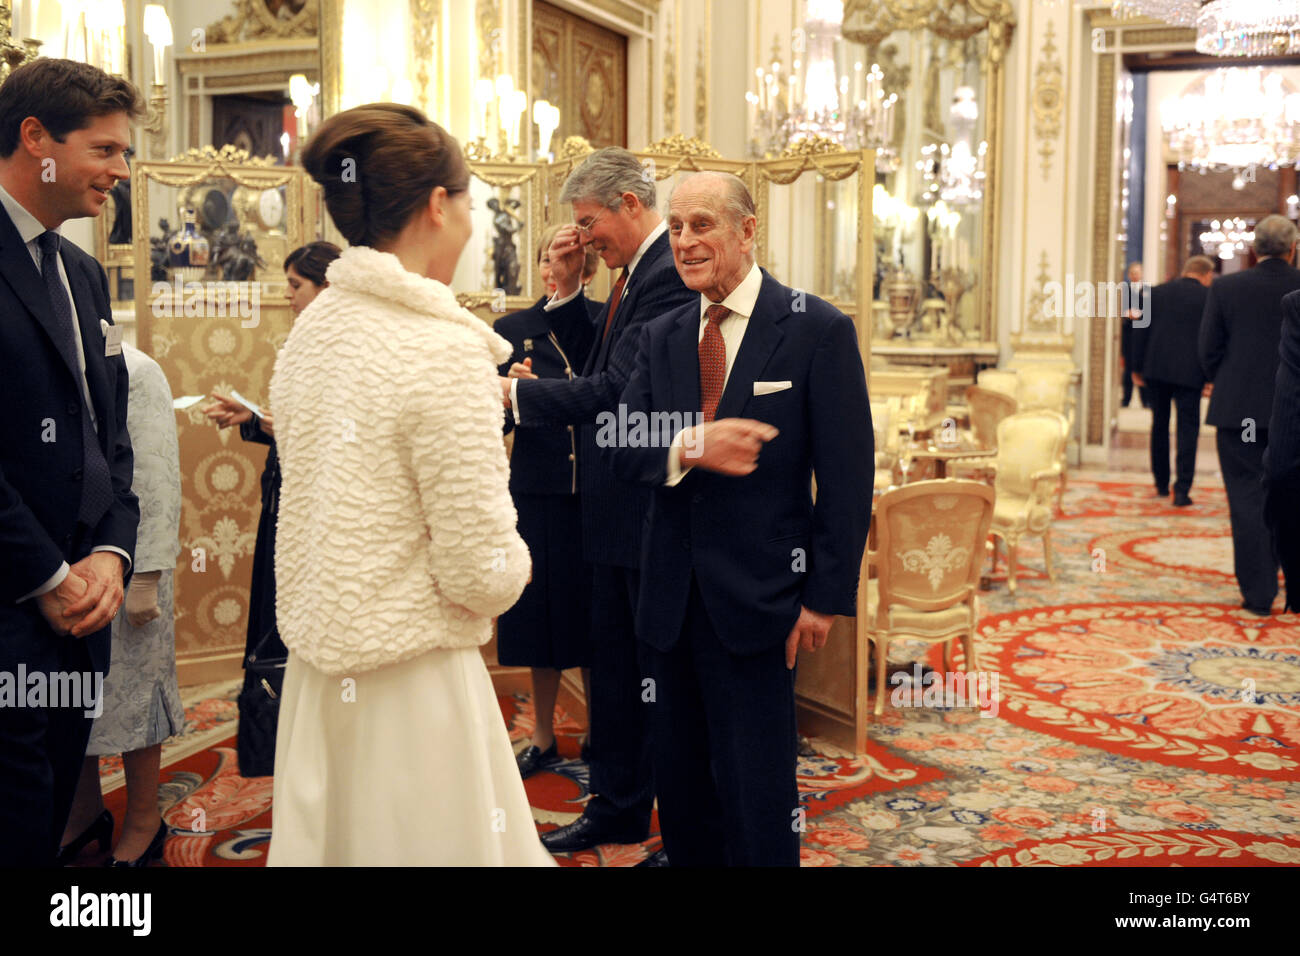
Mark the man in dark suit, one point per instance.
(1282, 459)
(1166, 363)
(1239, 338)
(67, 515)
(613, 201)
(740, 569)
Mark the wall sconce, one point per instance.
(303, 94)
(158, 28)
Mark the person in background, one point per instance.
(1126, 327)
(141, 702)
(1282, 459)
(395, 542)
(304, 272)
(547, 630)
(1238, 347)
(1165, 362)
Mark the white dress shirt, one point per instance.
(741, 302)
(29, 230)
(555, 303)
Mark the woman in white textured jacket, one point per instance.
(396, 541)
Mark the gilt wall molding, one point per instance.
(1048, 99)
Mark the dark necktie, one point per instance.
(97, 482)
(615, 296)
(713, 361)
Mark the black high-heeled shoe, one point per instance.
(153, 851)
(101, 830)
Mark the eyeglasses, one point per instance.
(586, 227)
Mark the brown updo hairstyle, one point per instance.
(311, 261)
(377, 165)
(589, 258)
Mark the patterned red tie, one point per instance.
(713, 361)
(615, 296)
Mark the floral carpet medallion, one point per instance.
(1194, 686)
(1196, 554)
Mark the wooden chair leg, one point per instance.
(1013, 545)
(947, 656)
(993, 540)
(968, 645)
(1047, 554)
(881, 647)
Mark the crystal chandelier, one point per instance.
(955, 174)
(1243, 119)
(1225, 239)
(812, 100)
(1227, 27)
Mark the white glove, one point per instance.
(142, 598)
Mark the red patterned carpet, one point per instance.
(1141, 719)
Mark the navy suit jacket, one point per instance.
(1282, 457)
(757, 544)
(1165, 351)
(612, 510)
(40, 480)
(1239, 340)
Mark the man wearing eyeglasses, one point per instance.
(613, 199)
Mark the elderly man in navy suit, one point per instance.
(735, 402)
(67, 515)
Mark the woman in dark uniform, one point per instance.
(304, 271)
(547, 629)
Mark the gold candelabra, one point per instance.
(13, 53)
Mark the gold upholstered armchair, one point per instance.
(929, 548)
(1047, 386)
(1028, 471)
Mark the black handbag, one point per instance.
(259, 708)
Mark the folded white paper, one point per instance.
(186, 401)
(246, 403)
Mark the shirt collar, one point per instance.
(655, 233)
(28, 226)
(743, 297)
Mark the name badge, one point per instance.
(113, 341)
(528, 345)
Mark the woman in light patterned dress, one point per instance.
(141, 700)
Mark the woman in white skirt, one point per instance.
(396, 541)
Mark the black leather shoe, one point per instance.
(153, 851)
(532, 759)
(1259, 611)
(1162, 493)
(585, 750)
(585, 833)
(657, 858)
(1182, 501)
(101, 830)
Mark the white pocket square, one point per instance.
(103, 327)
(767, 388)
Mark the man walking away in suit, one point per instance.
(67, 515)
(1240, 332)
(1165, 362)
(1282, 459)
(614, 210)
(747, 391)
